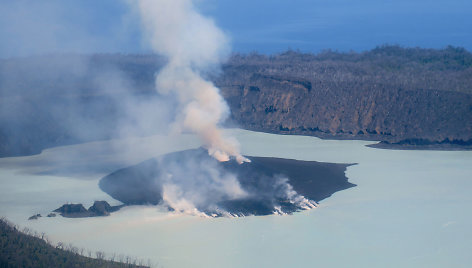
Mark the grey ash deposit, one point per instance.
(193, 182)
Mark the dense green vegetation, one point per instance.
(28, 249)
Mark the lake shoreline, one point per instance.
(378, 142)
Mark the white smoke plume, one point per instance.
(195, 186)
(193, 44)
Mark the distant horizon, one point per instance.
(233, 52)
(267, 27)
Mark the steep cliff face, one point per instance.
(384, 114)
(405, 96)
(346, 99)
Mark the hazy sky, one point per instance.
(38, 27)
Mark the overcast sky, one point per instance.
(86, 26)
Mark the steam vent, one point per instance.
(193, 182)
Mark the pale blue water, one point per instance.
(410, 209)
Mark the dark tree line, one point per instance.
(27, 248)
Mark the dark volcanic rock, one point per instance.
(73, 211)
(413, 144)
(102, 208)
(270, 185)
(99, 208)
(135, 185)
(35, 217)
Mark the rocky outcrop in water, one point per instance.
(35, 217)
(99, 208)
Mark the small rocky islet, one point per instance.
(99, 208)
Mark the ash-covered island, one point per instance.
(193, 182)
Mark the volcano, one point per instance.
(192, 181)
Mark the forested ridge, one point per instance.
(25, 248)
(400, 95)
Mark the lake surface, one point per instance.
(410, 208)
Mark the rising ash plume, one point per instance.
(199, 182)
(193, 46)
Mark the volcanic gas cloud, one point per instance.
(203, 181)
(194, 46)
